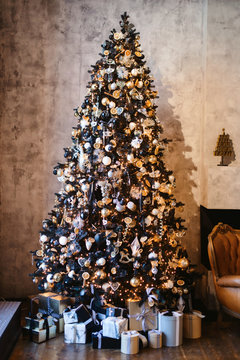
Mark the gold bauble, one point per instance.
(113, 270)
(152, 159)
(135, 282)
(180, 282)
(59, 172)
(183, 263)
(185, 291)
(57, 277)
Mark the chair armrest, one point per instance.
(229, 281)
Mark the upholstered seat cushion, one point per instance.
(227, 252)
(229, 281)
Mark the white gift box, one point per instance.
(155, 339)
(172, 328)
(76, 333)
(130, 342)
(113, 327)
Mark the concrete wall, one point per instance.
(46, 49)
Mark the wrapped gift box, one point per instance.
(130, 342)
(33, 304)
(78, 333)
(102, 342)
(114, 326)
(38, 324)
(59, 322)
(79, 314)
(155, 339)
(56, 302)
(141, 318)
(171, 325)
(40, 336)
(192, 325)
(108, 311)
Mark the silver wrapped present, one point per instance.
(114, 326)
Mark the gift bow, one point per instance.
(150, 297)
(99, 335)
(144, 316)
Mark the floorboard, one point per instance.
(220, 343)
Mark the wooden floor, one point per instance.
(216, 343)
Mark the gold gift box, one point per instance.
(192, 325)
(57, 302)
(40, 336)
(38, 324)
(134, 309)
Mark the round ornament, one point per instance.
(183, 263)
(106, 160)
(105, 212)
(135, 282)
(63, 240)
(85, 187)
(131, 206)
(57, 277)
(59, 172)
(101, 262)
(43, 238)
(113, 270)
(85, 275)
(49, 278)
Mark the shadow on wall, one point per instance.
(182, 167)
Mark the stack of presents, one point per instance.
(132, 329)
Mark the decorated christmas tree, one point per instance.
(115, 223)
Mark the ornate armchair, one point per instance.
(224, 256)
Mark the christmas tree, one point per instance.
(114, 224)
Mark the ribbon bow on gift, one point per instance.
(99, 335)
(144, 316)
(151, 298)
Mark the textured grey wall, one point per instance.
(47, 47)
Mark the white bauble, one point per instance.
(132, 126)
(131, 206)
(110, 174)
(134, 72)
(113, 86)
(63, 240)
(101, 262)
(71, 274)
(106, 160)
(43, 238)
(85, 187)
(155, 211)
(156, 185)
(120, 207)
(49, 278)
(130, 158)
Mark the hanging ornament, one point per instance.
(135, 282)
(183, 263)
(63, 240)
(135, 246)
(101, 262)
(106, 160)
(43, 238)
